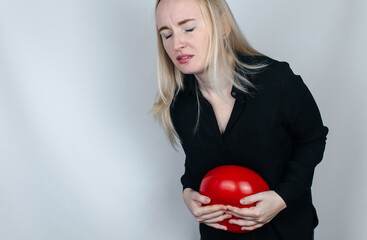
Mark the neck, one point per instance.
(208, 88)
(205, 84)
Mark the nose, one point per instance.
(179, 42)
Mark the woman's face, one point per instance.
(184, 33)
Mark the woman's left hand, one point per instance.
(268, 205)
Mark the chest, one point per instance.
(233, 119)
(222, 108)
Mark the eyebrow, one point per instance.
(179, 24)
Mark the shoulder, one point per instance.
(271, 65)
(185, 94)
(278, 79)
(272, 71)
(184, 104)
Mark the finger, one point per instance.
(243, 223)
(210, 216)
(246, 213)
(252, 199)
(217, 226)
(217, 219)
(200, 211)
(249, 218)
(259, 225)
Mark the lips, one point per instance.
(184, 58)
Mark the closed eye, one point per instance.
(168, 36)
(190, 29)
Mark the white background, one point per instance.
(82, 158)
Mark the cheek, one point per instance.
(166, 47)
(205, 44)
(169, 50)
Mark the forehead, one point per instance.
(173, 11)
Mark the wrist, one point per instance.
(281, 201)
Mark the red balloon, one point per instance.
(227, 185)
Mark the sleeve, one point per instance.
(186, 179)
(302, 120)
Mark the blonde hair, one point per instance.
(223, 50)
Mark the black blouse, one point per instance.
(275, 130)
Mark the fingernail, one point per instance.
(207, 199)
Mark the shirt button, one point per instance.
(233, 93)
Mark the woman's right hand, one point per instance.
(210, 215)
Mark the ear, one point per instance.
(226, 24)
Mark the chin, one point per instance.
(186, 71)
(189, 71)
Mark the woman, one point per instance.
(229, 104)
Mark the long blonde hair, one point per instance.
(170, 78)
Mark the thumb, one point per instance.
(251, 199)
